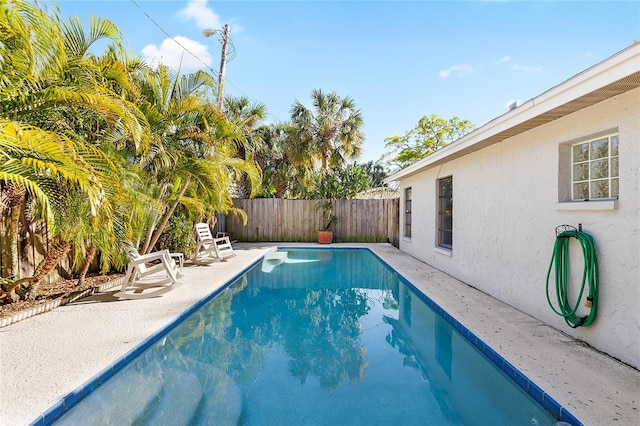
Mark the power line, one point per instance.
(233, 53)
(171, 37)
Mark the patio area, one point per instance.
(45, 357)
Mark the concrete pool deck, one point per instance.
(45, 357)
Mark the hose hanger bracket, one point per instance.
(568, 228)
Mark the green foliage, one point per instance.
(376, 172)
(178, 235)
(112, 151)
(308, 156)
(246, 117)
(354, 180)
(328, 218)
(330, 132)
(344, 183)
(430, 134)
(54, 109)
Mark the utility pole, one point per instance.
(223, 60)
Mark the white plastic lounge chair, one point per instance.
(210, 249)
(156, 271)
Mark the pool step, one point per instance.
(181, 395)
(273, 259)
(204, 395)
(223, 403)
(97, 408)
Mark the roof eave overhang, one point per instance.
(613, 76)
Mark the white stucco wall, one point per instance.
(505, 204)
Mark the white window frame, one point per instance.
(584, 168)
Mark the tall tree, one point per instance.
(281, 178)
(430, 134)
(331, 131)
(247, 117)
(191, 161)
(47, 88)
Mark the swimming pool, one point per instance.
(314, 337)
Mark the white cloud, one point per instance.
(458, 70)
(526, 68)
(588, 54)
(205, 17)
(174, 55)
(199, 11)
(506, 58)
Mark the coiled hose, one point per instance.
(589, 277)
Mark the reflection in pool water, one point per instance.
(319, 337)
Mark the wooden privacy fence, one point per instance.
(33, 246)
(277, 219)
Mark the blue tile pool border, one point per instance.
(55, 412)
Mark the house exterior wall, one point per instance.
(505, 211)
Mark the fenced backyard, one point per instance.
(269, 220)
(276, 219)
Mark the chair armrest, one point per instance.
(156, 255)
(224, 240)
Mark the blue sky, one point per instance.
(398, 60)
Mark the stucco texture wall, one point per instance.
(505, 211)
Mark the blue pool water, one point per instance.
(315, 337)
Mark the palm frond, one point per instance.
(77, 42)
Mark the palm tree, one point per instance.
(104, 143)
(246, 116)
(330, 132)
(48, 91)
(191, 159)
(174, 109)
(15, 196)
(243, 113)
(282, 177)
(58, 169)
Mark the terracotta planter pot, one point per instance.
(325, 237)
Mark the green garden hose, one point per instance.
(589, 277)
